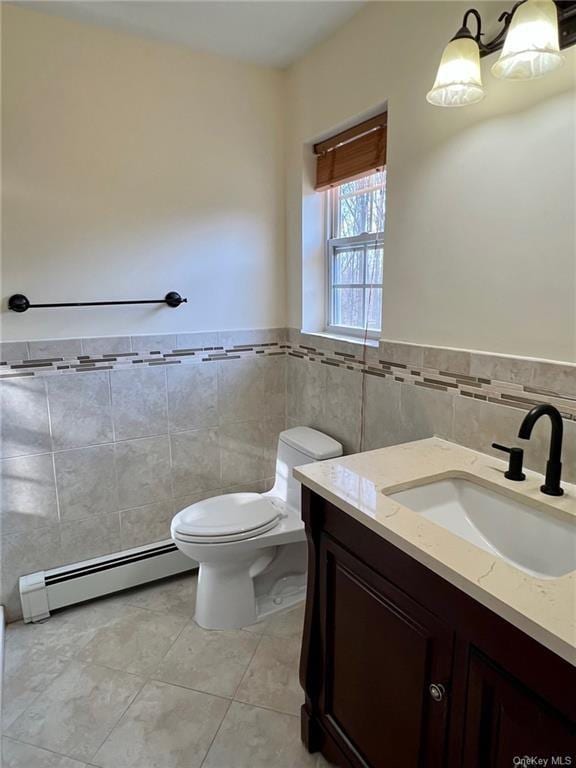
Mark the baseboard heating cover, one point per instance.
(44, 591)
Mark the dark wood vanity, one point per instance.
(401, 669)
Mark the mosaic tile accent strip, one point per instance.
(523, 397)
(367, 361)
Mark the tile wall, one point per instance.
(103, 440)
(395, 392)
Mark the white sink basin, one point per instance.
(540, 543)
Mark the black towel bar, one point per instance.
(20, 303)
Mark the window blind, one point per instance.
(351, 153)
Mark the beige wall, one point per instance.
(480, 241)
(132, 168)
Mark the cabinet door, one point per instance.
(382, 652)
(506, 722)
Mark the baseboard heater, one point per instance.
(45, 591)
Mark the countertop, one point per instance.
(544, 608)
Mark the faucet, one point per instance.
(551, 485)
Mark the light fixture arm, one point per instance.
(495, 44)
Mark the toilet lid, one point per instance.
(224, 517)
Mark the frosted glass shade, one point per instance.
(458, 81)
(531, 48)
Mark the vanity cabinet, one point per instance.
(403, 670)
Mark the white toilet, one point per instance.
(251, 547)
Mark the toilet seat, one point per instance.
(223, 519)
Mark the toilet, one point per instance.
(251, 547)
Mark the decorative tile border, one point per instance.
(397, 361)
(370, 362)
(66, 364)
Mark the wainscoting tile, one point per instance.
(86, 482)
(54, 348)
(209, 661)
(18, 755)
(426, 412)
(240, 391)
(197, 340)
(555, 377)
(306, 391)
(185, 501)
(139, 406)
(382, 417)
(80, 409)
(91, 537)
(248, 450)
(21, 553)
(145, 525)
(143, 471)
(192, 396)
(136, 642)
(399, 352)
(78, 710)
(106, 345)
(251, 737)
(569, 458)
(252, 336)
(163, 342)
(479, 424)
(28, 493)
(12, 351)
(451, 360)
(24, 423)
(195, 461)
(271, 680)
(342, 414)
(165, 726)
(501, 368)
(273, 373)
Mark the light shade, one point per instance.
(531, 47)
(458, 81)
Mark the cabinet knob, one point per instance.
(437, 691)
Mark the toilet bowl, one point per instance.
(251, 547)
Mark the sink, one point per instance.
(540, 543)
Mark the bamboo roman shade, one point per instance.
(351, 153)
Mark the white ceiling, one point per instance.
(269, 32)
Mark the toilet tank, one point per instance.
(298, 446)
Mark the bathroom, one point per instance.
(288, 384)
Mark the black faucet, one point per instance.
(554, 464)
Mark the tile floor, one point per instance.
(130, 681)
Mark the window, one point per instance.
(355, 255)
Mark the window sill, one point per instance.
(374, 343)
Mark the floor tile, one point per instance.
(251, 737)
(18, 755)
(77, 711)
(210, 661)
(271, 680)
(288, 623)
(25, 676)
(65, 632)
(175, 595)
(136, 642)
(165, 727)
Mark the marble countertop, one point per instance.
(544, 608)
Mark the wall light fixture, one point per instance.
(532, 34)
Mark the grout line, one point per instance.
(258, 644)
(216, 734)
(45, 749)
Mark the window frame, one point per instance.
(332, 243)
